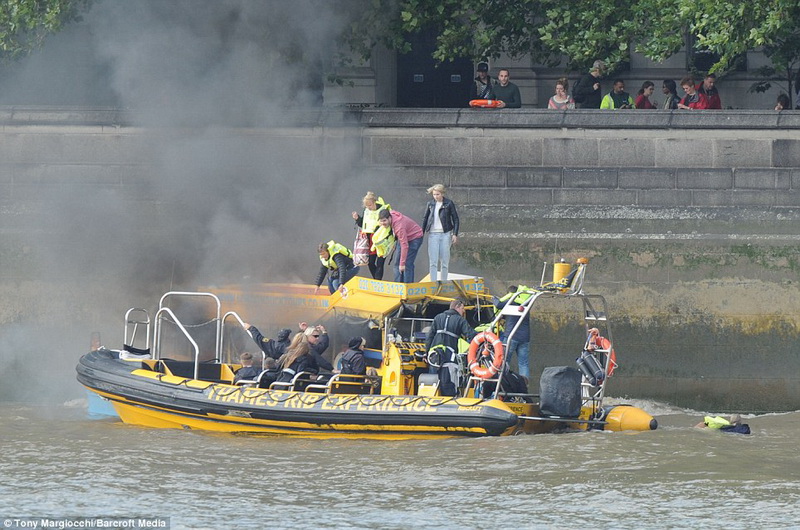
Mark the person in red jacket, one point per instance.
(409, 236)
(710, 91)
(693, 99)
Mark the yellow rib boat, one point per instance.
(180, 376)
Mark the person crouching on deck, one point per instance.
(337, 263)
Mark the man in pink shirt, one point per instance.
(409, 234)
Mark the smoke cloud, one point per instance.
(232, 189)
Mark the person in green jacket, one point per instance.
(618, 98)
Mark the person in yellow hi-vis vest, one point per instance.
(368, 224)
(520, 343)
(337, 264)
(383, 242)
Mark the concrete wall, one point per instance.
(690, 220)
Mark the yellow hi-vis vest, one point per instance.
(333, 249)
(715, 422)
(370, 218)
(463, 346)
(519, 296)
(383, 241)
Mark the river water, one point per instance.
(56, 462)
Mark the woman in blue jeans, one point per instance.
(441, 223)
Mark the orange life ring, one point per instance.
(605, 344)
(485, 103)
(485, 372)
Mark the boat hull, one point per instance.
(144, 397)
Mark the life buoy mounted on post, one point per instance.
(485, 372)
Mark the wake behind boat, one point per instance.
(171, 381)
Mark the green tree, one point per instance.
(578, 31)
(785, 68)
(25, 23)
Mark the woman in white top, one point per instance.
(441, 223)
(561, 100)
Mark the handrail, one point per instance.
(241, 323)
(136, 326)
(157, 338)
(218, 320)
(575, 291)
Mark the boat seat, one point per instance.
(254, 382)
(344, 384)
(428, 385)
(298, 382)
(205, 372)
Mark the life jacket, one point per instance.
(383, 241)
(333, 249)
(715, 422)
(520, 296)
(370, 219)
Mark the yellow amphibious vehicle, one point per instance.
(175, 372)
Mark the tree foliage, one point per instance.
(25, 23)
(579, 31)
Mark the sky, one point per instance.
(223, 204)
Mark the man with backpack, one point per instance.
(587, 92)
(442, 345)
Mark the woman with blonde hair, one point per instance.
(441, 223)
(296, 359)
(368, 224)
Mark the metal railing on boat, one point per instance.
(129, 340)
(182, 328)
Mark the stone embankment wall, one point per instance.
(690, 220)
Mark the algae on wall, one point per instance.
(703, 324)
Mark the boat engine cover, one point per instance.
(560, 392)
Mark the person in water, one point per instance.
(733, 424)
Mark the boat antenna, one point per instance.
(544, 270)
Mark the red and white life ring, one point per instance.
(485, 372)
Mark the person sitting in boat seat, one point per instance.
(442, 339)
(247, 371)
(337, 264)
(353, 362)
(271, 348)
(318, 342)
(297, 359)
(270, 373)
(733, 424)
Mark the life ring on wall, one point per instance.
(485, 103)
(485, 372)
